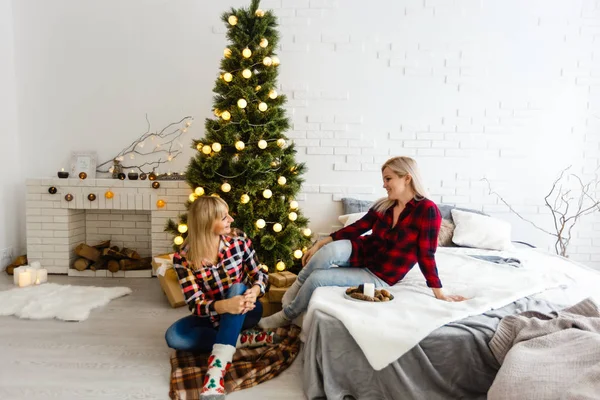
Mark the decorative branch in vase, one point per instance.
(164, 143)
(566, 207)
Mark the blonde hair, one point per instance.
(402, 166)
(201, 216)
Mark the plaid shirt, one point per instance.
(202, 287)
(391, 252)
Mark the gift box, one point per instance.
(169, 282)
(268, 307)
(282, 279)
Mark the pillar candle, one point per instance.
(369, 289)
(24, 279)
(42, 276)
(16, 272)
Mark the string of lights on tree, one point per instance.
(245, 157)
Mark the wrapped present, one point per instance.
(282, 279)
(269, 308)
(169, 283)
(161, 262)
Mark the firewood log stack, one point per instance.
(113, 258)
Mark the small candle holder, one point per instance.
(63, 174)
(121, 176)
(133, 176)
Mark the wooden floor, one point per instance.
(118, 353)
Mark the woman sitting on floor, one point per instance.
(221, 281)
(405, 227)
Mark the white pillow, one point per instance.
(480, 231)
(348, 219)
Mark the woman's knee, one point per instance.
(318, 278)
(236, 289)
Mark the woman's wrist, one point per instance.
(438, 293)
(221, 306)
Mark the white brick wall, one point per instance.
(130, 219)
(505, 90)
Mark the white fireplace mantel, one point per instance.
(56, 226)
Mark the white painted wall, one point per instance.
(471, 88)
(12, 222)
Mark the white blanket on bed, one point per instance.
(385, 331)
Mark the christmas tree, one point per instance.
(245, 158)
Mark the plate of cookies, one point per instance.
(356, 294)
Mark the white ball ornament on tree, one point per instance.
(232, 20)
(293, 205)
(226, 187)
(240, 145)
(216, 147)
(192, 197)
(267, 61)
(244, 199)
(281, 143)
(206, 149)
(226, 115)
(282, 180)
(262, 144)
(307, 232)
(227, 77)
(247, 73)
(242, 103)
(263, 106)
(275, 60)
(247, 53)
(280, 266)
(298, 254)
(267, 194)
(263, 43)
(199, 191)
(273, 94)
(261, 223)
(259, 13)
(182, 228)
(293, 216)
(178, 240)
(277, 227)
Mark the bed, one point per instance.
(449, 356)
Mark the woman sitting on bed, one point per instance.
(220, 278)
(405, 231)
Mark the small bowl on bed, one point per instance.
(356, 294)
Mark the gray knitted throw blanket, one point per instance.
(548, 356)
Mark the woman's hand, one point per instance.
(453, 298)
(234, 305)
(250, 297)
(311, 252)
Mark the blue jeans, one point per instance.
(194, 333)
(319, 272)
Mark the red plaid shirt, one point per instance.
(202, 287)
(391, 252)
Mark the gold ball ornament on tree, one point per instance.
(247, 53)
(277, 227)
(160, 203)
(227, 52)
(267, 61)
(267, 194)
(91, 197)
(178, 240)
(298, 254)
(260, 223)
(199, 146)
(109, 194)
(281, 143)
(262, 106)
(227, 77)
(155, 185)
(225, 115)
(282, 181)
(215, 195)
(247, 74)
(244, 199)
(280, 266)
(257, 88)
(307, 232)
(206, 149)
(242, 103)
(275, 60)
(217, 112)
(259, 13)
(232, 20)
(216, 147)
(273, 94)
(226, 187)
(240, 145)
(263, 43)
(293, 205)
(82, 175)
(262, 144)
(199, 191)
(182, 228)
(293, 216)
(192, 197)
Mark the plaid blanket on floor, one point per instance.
(249, 366)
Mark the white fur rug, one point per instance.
(50, 300)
